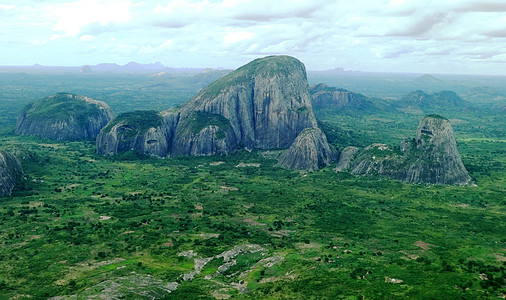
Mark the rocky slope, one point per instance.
(432, 157)
(310, 151)
(10, 171)
(346, 157)
(324, 96)
(64, 117)
(264, 104)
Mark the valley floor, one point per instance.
(237, 226)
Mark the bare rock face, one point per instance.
(10, 171)
(202, 133)
(346, 157)
(432, 157)
(435, 154)
(266, 102)
(145, 132)
(64, 117)
(310, 151)
(324, 96)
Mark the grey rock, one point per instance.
(10, 172)
(310, 151)
(203, 134)
(144, 132)
(266, 103)
(432, 157)
(64, 117)
(346, 157)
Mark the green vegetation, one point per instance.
(80, 219)
(61, 106)
(81, 222)
(201, 119)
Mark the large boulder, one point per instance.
(266, 102)
(309, 152)
(144, 132)
(10, 171)
(431, 157)
(64, 117)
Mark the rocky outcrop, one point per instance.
(310, 151)
(432, 157)
(145, 132)
(346, 157)
(64, 117)
(324, 96)
(266, 103)
(202, 133)
(10, 171)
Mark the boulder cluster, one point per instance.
(265, 104)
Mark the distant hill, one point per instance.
(324, 96)
(427, 78)
(443, 100)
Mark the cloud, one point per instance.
(400, 34)
(72, 17)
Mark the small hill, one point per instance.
(427, 78)
(64, 117)
(431, 157)
(324, 96)
(444, 100)
(10, 171)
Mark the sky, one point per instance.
(415, 36)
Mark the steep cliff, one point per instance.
(324, 96)
(310, 151)
(266, 102)
(10, 171)
(432, 157)
(64, 117)
(346, 157)
(145, 132)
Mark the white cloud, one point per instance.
(228, 33)
(237, 36)
(72, 17)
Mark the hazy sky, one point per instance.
(426, 36)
